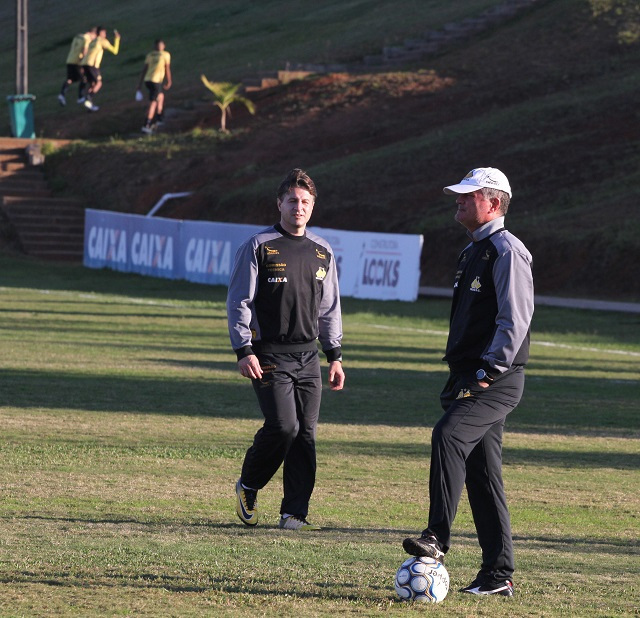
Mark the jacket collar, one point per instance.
(487, 229)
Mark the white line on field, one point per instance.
(548, 344)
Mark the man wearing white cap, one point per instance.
(487, 350)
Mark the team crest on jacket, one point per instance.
(476, 285)
(321, 254)
(321, 273)
(464, 392)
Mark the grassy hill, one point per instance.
(550, 97)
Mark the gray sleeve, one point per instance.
(243, 285)
(330, 315)
(513, 281)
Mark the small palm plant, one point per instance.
(224, 94)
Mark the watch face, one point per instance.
(481, 374)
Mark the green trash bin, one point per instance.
(21, 115)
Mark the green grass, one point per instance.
(124, 424)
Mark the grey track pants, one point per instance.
(289, 396)
(466, 448)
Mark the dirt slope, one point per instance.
(530, 98)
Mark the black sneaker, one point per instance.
(246, 504)
(504, 588)
(424, 546)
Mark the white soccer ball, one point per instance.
(422, 579)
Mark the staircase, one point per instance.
(46, 227)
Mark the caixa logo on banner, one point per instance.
(152, 251)
(106, 244)
(208, 256)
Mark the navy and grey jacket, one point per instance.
(492, 303)
(283, 295)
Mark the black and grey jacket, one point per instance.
(492, 303)
(283, 295)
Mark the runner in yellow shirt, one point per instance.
(75, 71)
(91, 63)
(156, 75)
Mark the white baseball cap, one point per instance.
(490, 177)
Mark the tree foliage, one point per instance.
(224, 94)
(624, 15)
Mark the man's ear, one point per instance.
(495, 203)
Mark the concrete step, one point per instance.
(12, 166)
(55, 236)
(52, 243)
(27, 220)
(50, 202)
(8, 143)
(25, 189)
(60, 255)
(13, 155)
(27, 174)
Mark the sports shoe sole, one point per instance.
(297, 525)
(415, 548)
(503, 590)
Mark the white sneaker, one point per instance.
(296, 523)
(90, 106)
(62, 99)
(147, 130)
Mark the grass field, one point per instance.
(124, 424)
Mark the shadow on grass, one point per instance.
(374, 397)
(585, 544)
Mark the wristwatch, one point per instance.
(483, 376)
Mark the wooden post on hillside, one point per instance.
(22, 46)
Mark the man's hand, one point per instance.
(336, 376)
(249, 367)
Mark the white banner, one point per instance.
(370, 265)
(375, 265)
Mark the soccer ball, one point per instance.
(422, 579)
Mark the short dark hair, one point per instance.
(100, 29)
(157, 42)
(297, 178)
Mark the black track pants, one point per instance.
(289, 396)
(466, 447)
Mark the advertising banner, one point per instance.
(370, 265)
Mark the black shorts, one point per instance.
(92, 74)
(75, 73)
(154, 90)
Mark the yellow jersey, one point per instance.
(96, 50)
(157, 63)
(78, 43)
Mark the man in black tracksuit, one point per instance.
(283, 297)
(487, 350)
